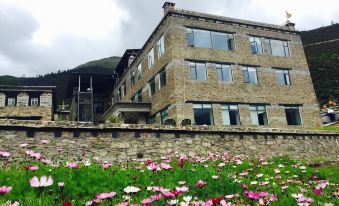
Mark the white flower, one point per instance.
(260, 175)
(172, 202)
(221, 164)
(254, 182)
(131, 189)
(87, 163)
(187, 199)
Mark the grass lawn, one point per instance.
(212, 180)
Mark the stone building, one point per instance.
(26, 102)
(212, 70)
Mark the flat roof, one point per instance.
(26, 88)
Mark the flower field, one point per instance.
(213, 180)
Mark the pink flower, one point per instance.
(5, 189)
(156, 197)
(200, 184)
(224, 203)
(73, 165)
(61, 184)
(44, 141)
(4, 154)
(106, 195)
(244, 173)
(44, 182)
(153, 166)
(9, 203)
(32, 168)
(146, 201)
(46, 161)
(181, 189)
(166, 166)
(23, 145)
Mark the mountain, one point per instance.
(322, 53)
(59, 79)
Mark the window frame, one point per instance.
(261, 51)
(132, 78)
(257, 110)
(151, 58)
(161, 46)
(222, 73)
(285, 73)
(204, 106)
(164, 112)
(229, 39)
(245, 70)
(162, 83)
(193, 65)
(228, 108)
(139, 71)
(297, 108)
(12, 98)
(285, 46)
(34, 99)
(151, 82)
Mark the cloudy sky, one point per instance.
(43, 36)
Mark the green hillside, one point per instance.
(323, 61)
(60, 78)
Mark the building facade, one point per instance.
(26, 102)
(213, 70)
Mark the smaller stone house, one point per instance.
(26, 102)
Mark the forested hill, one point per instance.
(60, 78)
(323, 60)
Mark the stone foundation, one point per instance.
(129, 142)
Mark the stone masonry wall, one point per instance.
(130, 142)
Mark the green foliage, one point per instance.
(114, 119)
(323, 61)
(83, 184)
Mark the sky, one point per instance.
(43, 36)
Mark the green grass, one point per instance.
(82, 185)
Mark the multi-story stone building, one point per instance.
(220, 71)
(26, 102)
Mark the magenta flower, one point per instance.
(23, 145)
(5, 189)
(200, 184)
(44, 181)
(32, 168)
(106, 195)
(153, 166)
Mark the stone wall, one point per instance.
(2, 99)
(72, 141)
(17, 112)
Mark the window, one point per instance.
(152, 119)
(123, 90)
(11, 101)
(164, 115)
(162, 79)
(34, 102)
(139, 71)
(151, 87)
(256, 46)
(250, 75)
(258, 115)
(132, 78)
(138, 96)
(210, 39)
(198, 71)
(283, 76)
(151, 58)
(279, 48)
(203, 114)
(98, 108)
(230, 114)
(292, 115)
(224, 72)
(161, 46)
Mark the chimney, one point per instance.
(289, 25)
(130, 60)
(168, 6)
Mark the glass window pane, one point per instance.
(254, 118)
(202, 38)
(207, 106)
(190, 37)
(225, 117)
(234, 107)
(201, 71)
(198, 106)
(219, 74)
(277, 48)
(203, 116)
(234, 117)
(227, 73)
(193, 73)
(246, 76)
(252, 75)
(219, 40)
